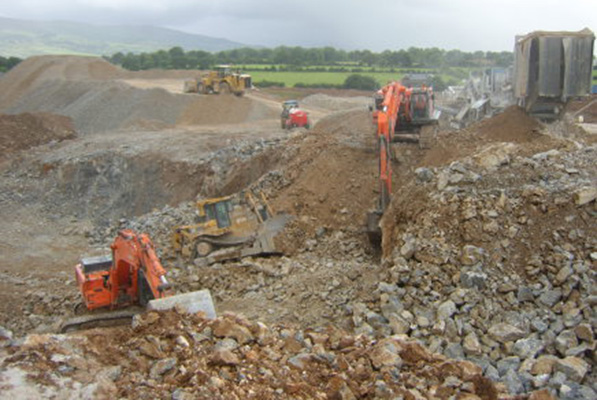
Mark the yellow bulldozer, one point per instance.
(230, 227)
(221, 80)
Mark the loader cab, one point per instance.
(223, 71)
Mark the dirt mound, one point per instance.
(224, 109)
(34, 71)
(22, 131)
(336, 103)
(321, 184)
(512, 126)
(91, 92)
(104, 106)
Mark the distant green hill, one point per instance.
(20, 38)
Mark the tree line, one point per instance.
(177, 58)
(6, 63)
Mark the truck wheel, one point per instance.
(203, 249)
(201, 88)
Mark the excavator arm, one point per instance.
(152, 269)
(399, 117)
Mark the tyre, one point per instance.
(224, 88)
(201, 88)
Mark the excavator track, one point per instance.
(101, 320)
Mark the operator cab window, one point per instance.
(222, 216)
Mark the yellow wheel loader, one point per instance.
(221, 80)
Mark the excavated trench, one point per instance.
(107, 186)
(56, 209)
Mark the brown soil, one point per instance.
(512, 126)
(23, 131)
(587, 108)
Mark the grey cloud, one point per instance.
(376, 25)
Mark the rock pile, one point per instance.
(495, 263)
(166, 355)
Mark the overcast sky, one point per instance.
(350, 24)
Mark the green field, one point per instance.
(335, 78)
(312, 75)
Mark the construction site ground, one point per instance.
(484, 286)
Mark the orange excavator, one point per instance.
(401, 114)
(131, 276)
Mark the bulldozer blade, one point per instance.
(192, 302)
(101, 320)
(263, 243)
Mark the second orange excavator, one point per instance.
(400, 114)
(131, 276)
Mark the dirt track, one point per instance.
(484, 212)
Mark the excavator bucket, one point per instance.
(191, 303)
(373, 228)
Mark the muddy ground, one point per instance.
(504, 205)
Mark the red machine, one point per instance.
(400, 114)
(292, 116)
(132, 276)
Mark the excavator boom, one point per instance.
(401, 114)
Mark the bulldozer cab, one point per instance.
(217, 210)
